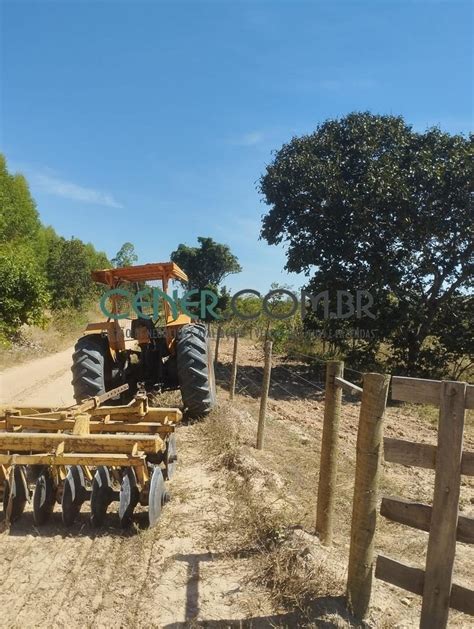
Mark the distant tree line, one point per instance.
(39, 270)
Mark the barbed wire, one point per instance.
(297, 375)
(309, 382)
(254, 384)
(320, 360)
(240, 375)
(275, 382)
(360, 373)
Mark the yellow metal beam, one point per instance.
(118, 460)
(12, 442)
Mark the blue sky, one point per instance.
(152, 121)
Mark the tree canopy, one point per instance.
(206, 265)
(19, 218)
(39, 270)
(125, 256)
(366, 202)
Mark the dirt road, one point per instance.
(181, 574)
(43, 382)
(165, 577)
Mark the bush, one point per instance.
(24, 296)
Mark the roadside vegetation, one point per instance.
(45, 278)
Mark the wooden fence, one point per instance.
(441, 519)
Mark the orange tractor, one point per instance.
(143, 352)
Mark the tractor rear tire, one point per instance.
(91, 367)
(195, 370)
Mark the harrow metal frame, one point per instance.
(89, 435)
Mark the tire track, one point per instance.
(36, 572)
(38, 385)
(42, 382)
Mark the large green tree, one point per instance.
(366, 202)
(19, 220)
(23, 296)
(206, 265)
(68, 271)
(125, 256)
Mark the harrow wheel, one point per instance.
(157, 496)
(44, 498)
(16, 496)
(74, 494)
(101, 496)
(129, 497)
(170, 457)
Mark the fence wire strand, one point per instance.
(275, 382)
(320, 360)
(297, 375)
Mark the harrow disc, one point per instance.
(101, 495)
(44, 498)
(157, 496)
(74, 494)
(170, 457)
(16, 496)
(129, 496)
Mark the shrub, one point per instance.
(24, 296)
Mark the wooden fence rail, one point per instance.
(442, 519)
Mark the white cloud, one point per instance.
(250, 139)
(52, 184)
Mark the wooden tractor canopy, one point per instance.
(121, 349)
(87, 452)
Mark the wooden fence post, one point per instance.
(329, 447)
(233, 375)
(218, 339)
(267, 370)
(364, 508)
(444, 516)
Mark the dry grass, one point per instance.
(430, 414)
(59, 331)
(299, 574)
(297, 571)
(292, 451)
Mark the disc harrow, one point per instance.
(89, 452)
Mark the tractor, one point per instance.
(156, 355)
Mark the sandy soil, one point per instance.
(169, 576)
(181, 573)
(165, 577)
(42, 382)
